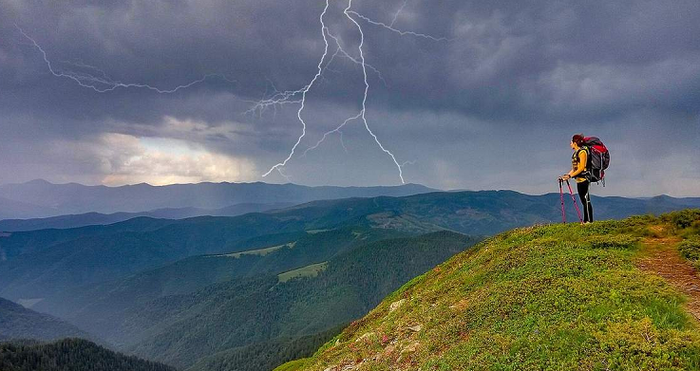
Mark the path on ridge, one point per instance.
(660, 256)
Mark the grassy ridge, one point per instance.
(559, 297)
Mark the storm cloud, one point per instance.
(491, 107)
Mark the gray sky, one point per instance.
(491, 107)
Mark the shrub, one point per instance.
(683, 219)
(622, 241)
(690, 249)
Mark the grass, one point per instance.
(558, 297)
(315, 231)
(257, 252)
(292, 366)
(308, 271)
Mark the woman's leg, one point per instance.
(583, 193)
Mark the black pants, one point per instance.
(583, 193)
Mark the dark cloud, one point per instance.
(492, 107)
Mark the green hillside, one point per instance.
(606, 296)
(181, 329)
(69, 355)
(85, 304)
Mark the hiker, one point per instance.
(581, 172)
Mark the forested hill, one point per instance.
(614, 295)
(19, 322)
(69, 355)
(266, 309)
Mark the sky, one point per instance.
(463, 94)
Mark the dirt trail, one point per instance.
(661, 257)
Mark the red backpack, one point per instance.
(598, 158)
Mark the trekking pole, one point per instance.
(578, 211)
(561, 198)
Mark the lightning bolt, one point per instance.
(286, 97)
(354, 60)
(363, 113)
(342, 142)
(398, 12)
(392, 29)
(103, 84)
(279, 98)
(336, 130)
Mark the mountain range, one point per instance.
(36, 264)
(208, 293)
(40, 199)
(92, 218)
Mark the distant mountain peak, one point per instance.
(74, 198)
(38, 182)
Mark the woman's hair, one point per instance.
(578, 139)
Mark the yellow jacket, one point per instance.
(578, 164)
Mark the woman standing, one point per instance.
(580, 171)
